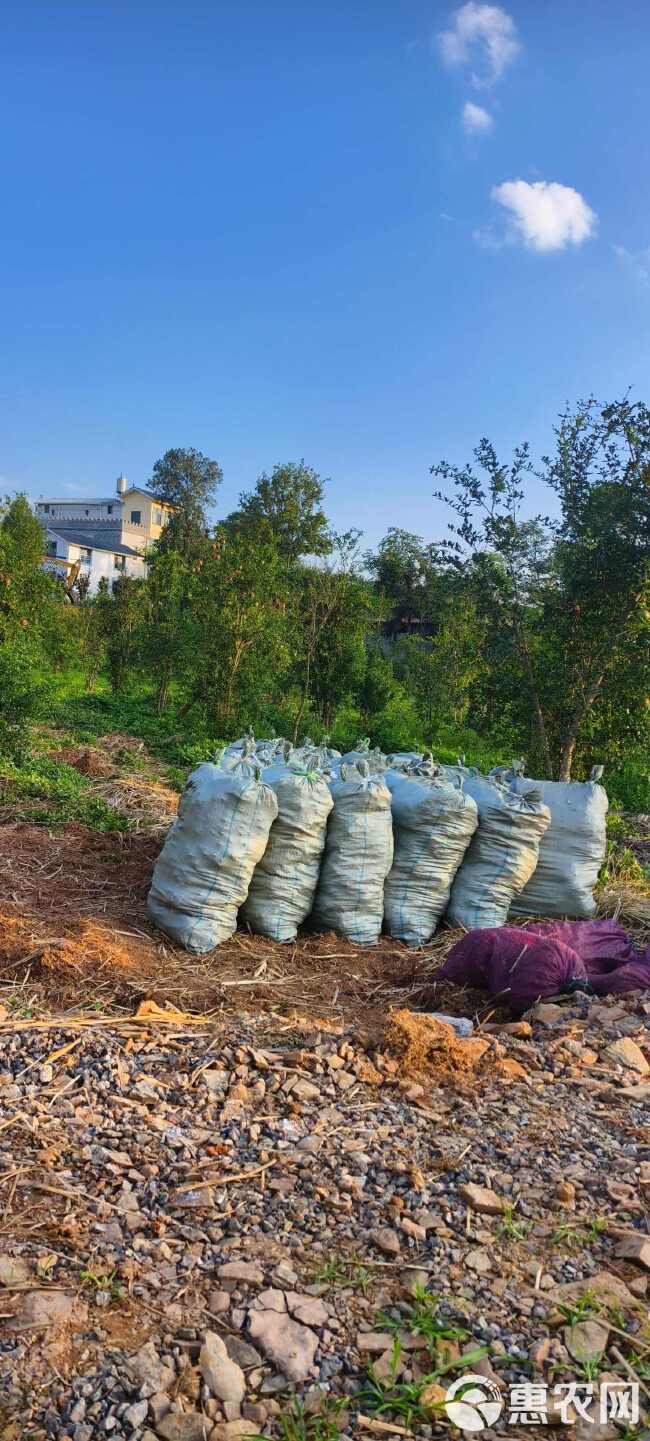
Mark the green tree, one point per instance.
(188, 481)
(28, 601)
(286, 507)
(336, 611)
(565, 596)
(120, 617)
(169, 629)
(242, 622)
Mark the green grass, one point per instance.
(570, 1234)
(50, 793)
(402, 1399)
(515, 1230)
(294, 1423)
(339, 1271)
(580, 1309)
(422, 1318)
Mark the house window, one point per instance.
(45, 509)
(85, 557)
(136, 517)
(156, 517)
(86, 512)
(119, 562)
(109, 509)
(51, 547)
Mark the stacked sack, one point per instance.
(503, 853)
(284, 882)
(572, 851)
(203, 872)
(433, 823)
(358, 857)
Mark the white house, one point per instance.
(105, 536)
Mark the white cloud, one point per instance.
(547, 216)
(475, 120)
(483, 31)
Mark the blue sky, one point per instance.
(265, 231)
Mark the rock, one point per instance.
(223, 1376)
(606, 1288)
(547, 1014)
(305, 1091)
(307, 1309)
(231, 1431)
(159, 1405)
(289, 1345)
(246, 1271)
(218, 1302)
(412, 1229)
(586, 1340)
(479, 1261)
(481, 1198)
(432, 1399)
(284, 1274)
(13, 1271)
(52, 1308)
(635, 1248)
(152, 1374)
(374, 1343)
(385, 1240)
(184, 1426)
(540, 1353)
(255, 1411)
(136, 1414)
(242, 1353)
(270, 1300)
(565, 1192)
(639, 1285)
(216, 1081)
(640, 1092)
(626, 1052)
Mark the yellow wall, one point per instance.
(147, 505)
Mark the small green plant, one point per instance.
(515, 1230)
(589, 1369)
(105, 1281)
(580, 1309)
(404, 1398)
(571, 1234)
(422, 1318)
(341, 1271)
(294, 1423)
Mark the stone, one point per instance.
(159, 1405)
(412, 1229)
(635, 1247)
(151, 1373)
(246, 1271)
(385, 1240)
(606, 1288)
(626, 1052)
(586, 1340)
(216, 1081)
(481, 1198)
(374, 1343)
(52, 1308)
(13, 1271)
(307, 1309)
(231, 1431)
(223, 1376)
(289, 1345)
(479, 1260)
(432, 1400)
(547, 1014)
(242, 1353)
(565, 1192)
(184, 1426)
(218, 1302)
(136, 1414)
(305, 1091)
(270, 1300)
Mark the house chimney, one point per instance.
(121, 484)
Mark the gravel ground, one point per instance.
(202, 1220)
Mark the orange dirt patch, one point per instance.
(425, 1046)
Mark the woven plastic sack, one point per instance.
(571, 852)
(375, 758)
(358, 857)
(433, 824)
(502, 855)
(284, 882)
(203, 872)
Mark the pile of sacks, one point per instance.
(350, 843)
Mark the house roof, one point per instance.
(140, 490)
(86, 539)
(78, 499)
